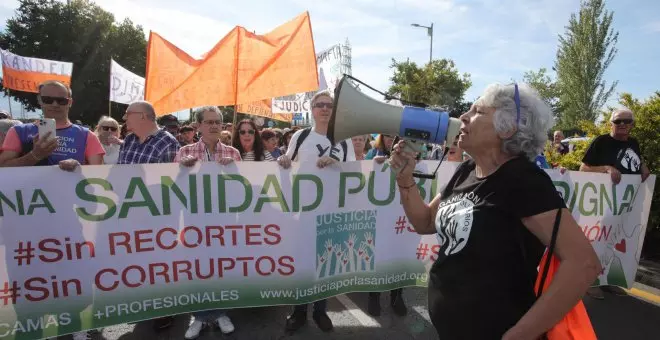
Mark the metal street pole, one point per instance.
(429, 30)
(431, 53)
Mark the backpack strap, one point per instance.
(305, 132)
(344, 146)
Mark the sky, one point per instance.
(492, 40)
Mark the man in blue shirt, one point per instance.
(147, 143)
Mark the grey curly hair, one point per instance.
(199, 113)
(536, 119)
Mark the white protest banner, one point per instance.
(25, 74)
(330, 73)
(126, 87)
(112, 244)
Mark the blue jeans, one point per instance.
(319, 306)
(209, 315)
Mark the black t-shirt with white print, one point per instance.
(482, 282)
(623, 155)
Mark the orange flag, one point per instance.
(242, 68)
(26, 74)
(263, 108)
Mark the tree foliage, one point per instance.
(80, 32)
(585, 52)
(436, 84)
(545, 86)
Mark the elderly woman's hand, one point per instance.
(403, 161)
(325, 161)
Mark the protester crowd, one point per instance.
(493, 159)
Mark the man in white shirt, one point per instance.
(313, 145)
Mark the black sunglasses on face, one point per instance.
(622, 121)
(322, 105)
(109, 128)
(242, 132)
(59, 100)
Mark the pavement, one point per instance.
(634, 316)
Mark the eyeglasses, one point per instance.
(622, 121)
(58, 100)
(242, 132)
(322, 105)
(212, 122)
(109, 128)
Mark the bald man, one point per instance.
(616, 153)
(147, 143)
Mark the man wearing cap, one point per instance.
(170, 124)
(186, 135)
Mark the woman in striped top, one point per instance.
(247, 140)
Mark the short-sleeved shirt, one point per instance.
(201, 152)
(482, 281)
(316, 146)
(250, 156)
(70, 138)
(160, 147)
(625, 156)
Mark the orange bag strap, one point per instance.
(551, 250)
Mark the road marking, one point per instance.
(645, 295)
(423, 312)
(362, 317)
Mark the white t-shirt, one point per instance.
(316, 146)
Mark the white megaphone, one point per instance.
(356, 114)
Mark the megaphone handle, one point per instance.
(411, 146)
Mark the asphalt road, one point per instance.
(616, 317)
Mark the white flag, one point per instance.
(125, 86)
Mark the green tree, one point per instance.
(437, 84)
(79, 32)
(545, 86)
(585, 52)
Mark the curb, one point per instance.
(646, 293)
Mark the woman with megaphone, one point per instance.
(494, 220)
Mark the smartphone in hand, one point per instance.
(47, 125)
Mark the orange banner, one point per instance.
(242, 68)
(26, 74)
(263, 108)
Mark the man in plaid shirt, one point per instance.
(147, 143)
(209, 148)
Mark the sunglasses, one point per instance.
(322, 105)
(109, 128)
(59, 100)
(622, 121)
(242, 132)
(212, 122)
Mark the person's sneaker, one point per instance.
(194, 329)
(373, 308)
(596, 293)
(162, 323)
(397, 303)
(82, 336)
(322, 321)
(295, 321)
(225, 325)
